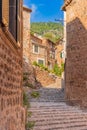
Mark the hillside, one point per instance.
(50, 30)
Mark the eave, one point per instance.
(67, 2)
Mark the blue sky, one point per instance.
(45, 10)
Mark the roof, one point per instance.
(27, 9)
(50, 41)
(33, 35)
(66, 3)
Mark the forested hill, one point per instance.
(50, 30)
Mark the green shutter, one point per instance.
(61, 55)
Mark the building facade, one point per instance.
(59, 52)
(76, 51)
(38, 51)
(42, 51)
(12, 112)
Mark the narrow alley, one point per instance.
(50, 112)
(43, 65)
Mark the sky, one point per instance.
(45, 10)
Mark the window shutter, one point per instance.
(4, 12)
(19, 21)
(13, 18)
(0, 11)
(61, 55)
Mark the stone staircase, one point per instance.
(50, 112)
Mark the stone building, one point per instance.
(38, 50)
(12, 113)
(59, 52)
(50, 53)
(26, 32)
(42, 51)
(76, 51)
(28, 70)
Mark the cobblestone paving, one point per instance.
(50, 112)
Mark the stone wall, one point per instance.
(12, 113)
(44, 77)
(28, 70)
(46, 51)
(76, 60)
(42, 50)
(59, 56)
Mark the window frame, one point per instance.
(41, 59)
(34, 49)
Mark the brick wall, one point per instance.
(12, 113)
(76, 60)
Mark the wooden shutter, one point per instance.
(4, 12)
(13, 18)
(0, 11)
(18, 21)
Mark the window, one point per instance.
(10, 16)
(15, 19)
(62, 54)
(4, 12)
(52, 55)
(35, 49)
(41, 61)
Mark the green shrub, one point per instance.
(35, 94)
(29, 85)
(40, 65)
(35, 63)
(29, 114)
(30, 125)
(58, 70)
(25, 100)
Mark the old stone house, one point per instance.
(59, 52)
(42, 51)
(12, 113)
(50, 53)
(76, 51)
(38, 50)
(28, 70)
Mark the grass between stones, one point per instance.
(30, 125)
(35, 94)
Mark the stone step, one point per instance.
(61, 126)
(65, 109)
(50, 112)
(57, 118)
(42, 117)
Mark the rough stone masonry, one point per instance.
(76, 49)
(12, 112)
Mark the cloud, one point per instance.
(34, 11)
(26, 6)
(34, 8)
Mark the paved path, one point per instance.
(50, 112)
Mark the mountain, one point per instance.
(49, 30)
